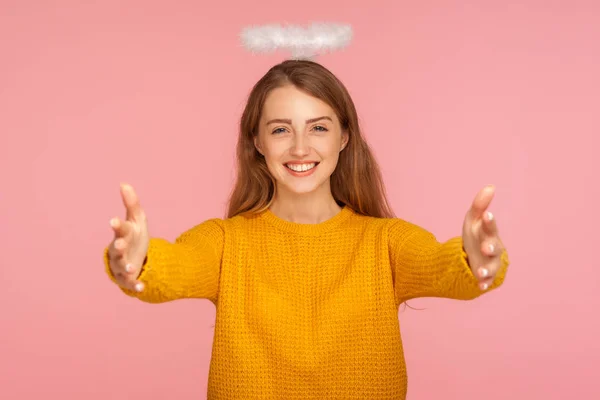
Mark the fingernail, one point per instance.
(139, 287)
(491, 248)
(483, 286)
(113, 222)
(483, 272)
(128, 268)
(490, 216)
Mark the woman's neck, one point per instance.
(309, 208)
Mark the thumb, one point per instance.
(482, 201)
(132, 203)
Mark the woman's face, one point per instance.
(301, 139)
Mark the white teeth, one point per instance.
(301, 167)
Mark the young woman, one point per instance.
(310, 266)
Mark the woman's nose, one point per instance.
(300, 146)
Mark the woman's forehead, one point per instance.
(291, 103)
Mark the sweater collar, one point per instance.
(307, 229)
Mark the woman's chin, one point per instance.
(301, 188)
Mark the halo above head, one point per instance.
(302, 42)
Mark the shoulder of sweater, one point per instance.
(392, 225)
(403, 226)
(227, 223)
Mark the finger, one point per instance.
(121, 228)
(486, 283)
(488, 225)
(490, 269)
(482, 201)
(116, 249)
(129, 282)
(131, 203)
(125, 272)
(484, 272)
(117, 252)
(491, 247)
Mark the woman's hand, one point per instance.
(480, 239)
(127, 251)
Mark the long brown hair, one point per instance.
(356, 181)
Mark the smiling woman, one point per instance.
(309, 267)
(300, 152)
(300, 113)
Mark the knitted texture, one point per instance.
(307, 311)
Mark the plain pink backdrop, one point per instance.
(452, 95)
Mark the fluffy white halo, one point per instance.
(302, 42)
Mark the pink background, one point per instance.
(452, 95)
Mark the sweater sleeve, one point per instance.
(188, 268)
(424, 267)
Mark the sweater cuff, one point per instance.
(467, 280)
(459, 278)
(454, 250)
(113, 279)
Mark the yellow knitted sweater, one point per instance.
(307, 311)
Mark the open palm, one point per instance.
(127, 251)
(481, 240)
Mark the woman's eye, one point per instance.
(320, 128)
(279, 130)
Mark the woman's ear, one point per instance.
(257, 145)
(345, 138)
